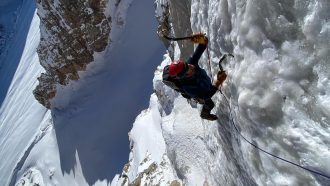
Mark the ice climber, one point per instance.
(188, 78)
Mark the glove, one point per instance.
(199, 38)
(221, 76)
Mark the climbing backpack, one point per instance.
(173, 82)
(170, 81)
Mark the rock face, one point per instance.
(149, 173)
(174, 20)
(71, 31)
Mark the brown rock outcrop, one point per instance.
(71, 31)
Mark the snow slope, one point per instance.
(15, 19)
(21, 115)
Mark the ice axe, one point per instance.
(223, 57)
(222, 76)
(161, 34)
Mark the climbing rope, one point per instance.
(209, 60)
(230, 111)
(257, 147)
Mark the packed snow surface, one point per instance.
(277, 93)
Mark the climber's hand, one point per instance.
(199, 38)
(221, 77)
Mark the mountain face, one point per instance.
(70, 33)
(276, 97)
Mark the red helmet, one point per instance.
(177, 67)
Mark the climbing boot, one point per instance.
(208, 116)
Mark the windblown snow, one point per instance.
(277, 95)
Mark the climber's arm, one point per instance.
(202, 42)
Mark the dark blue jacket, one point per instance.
(199, 85)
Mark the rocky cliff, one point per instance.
(71, 31)
(174, 19)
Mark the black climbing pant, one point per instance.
(207, 107)
(208, 104)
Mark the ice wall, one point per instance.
(277, 88)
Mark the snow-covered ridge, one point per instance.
(20, 114)
(278, 89)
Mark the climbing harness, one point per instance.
(259, 148)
